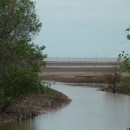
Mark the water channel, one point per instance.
(90, 109)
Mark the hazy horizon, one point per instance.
(82, 27)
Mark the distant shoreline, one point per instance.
(80, 59)
(75, 70)
(80, 62)
(74, 75)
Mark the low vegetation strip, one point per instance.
(31, 106)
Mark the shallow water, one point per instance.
(90, 109)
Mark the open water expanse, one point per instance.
(90, 109)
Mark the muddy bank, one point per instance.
(89, 75)
(74, 78)
(33, 106)
(74, 75)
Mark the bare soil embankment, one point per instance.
(88, 75)
(74, 75)
(33, 106)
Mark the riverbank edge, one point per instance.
(34, 105)
(92, 78)
(44, 103)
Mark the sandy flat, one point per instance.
(77, 75)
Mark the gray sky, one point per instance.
(79, 27)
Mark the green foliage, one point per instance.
(47, 89)
(128, 36)
(125, 66)
(29, 56)
(20, 58)
(18, 82)
(18, 25)
(125, 61)
(124, 86)
(18, 20)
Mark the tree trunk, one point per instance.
(113, 90)
(3, 108)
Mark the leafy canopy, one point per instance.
(128, 36)
(20, 58)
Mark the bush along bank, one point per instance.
(33, 105)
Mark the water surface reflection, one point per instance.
(89, 109)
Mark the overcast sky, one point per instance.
(79, 27)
